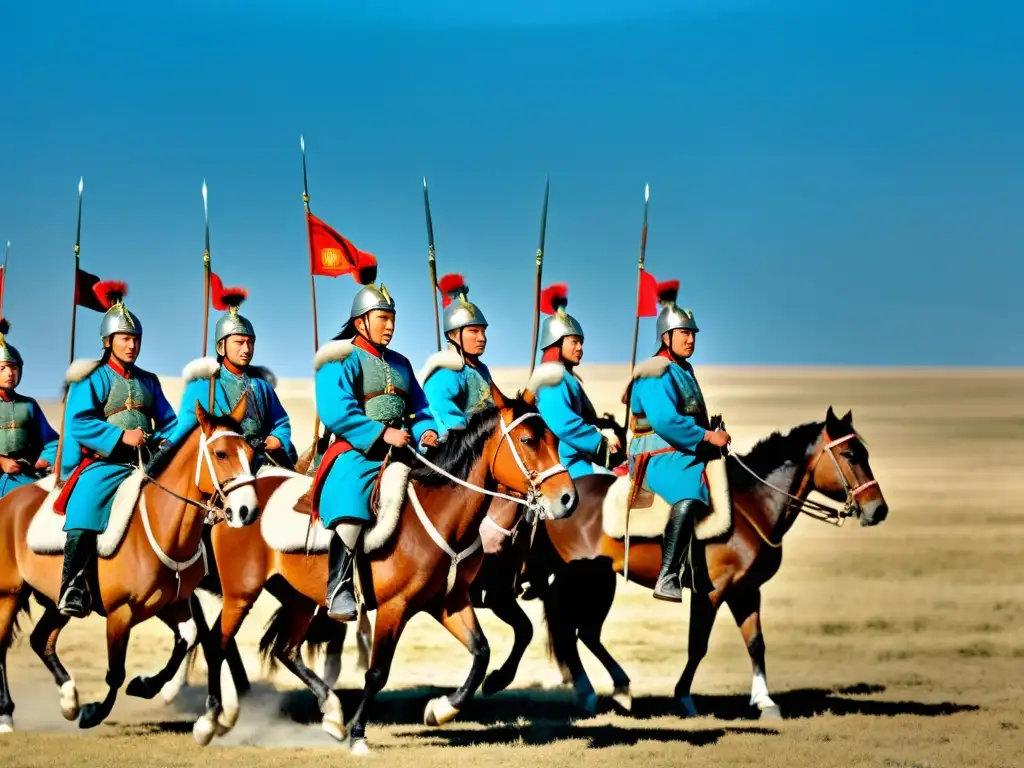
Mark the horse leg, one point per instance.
(364, 641)
(391, 620)
(459, 618)
(44, 642)
(332, 655)
(119, 627)
(222, 700)
(564, 599)
(703, 610)
(503, 604)
(181, 621)
(10, 605)
(746, 609)
(602, 594)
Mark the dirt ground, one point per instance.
(893, 646)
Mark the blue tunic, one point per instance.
(565, 408)
(264, 415)
(454, 389)
(101, 407)
(25, 436)
(358, 394)
(669, 412)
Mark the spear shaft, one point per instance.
(206, 289)
(432, 262)
(540, 269)
(3, 276)
(71, 357)
(312, 284)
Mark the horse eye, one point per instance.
(222, 455)
(529, 440)
(848, 455)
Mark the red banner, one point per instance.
(331, 254)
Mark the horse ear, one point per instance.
(497, 396)
(848, 418)
(238, 412)
(530, 398)
(202, 417)
(831, 420)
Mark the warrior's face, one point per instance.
(378, 326)
(472, 339)
(680, 341)
(10, 374)
(125, 347)
(572, 349)
(239, 349)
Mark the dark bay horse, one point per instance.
(149, 561)
(411, 568)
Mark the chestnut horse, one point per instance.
(425, 562)
(150, 558)
(769, 487)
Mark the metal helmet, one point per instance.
(367, 299)
(230, 323)
(117, 318)
(672, 315)
(553, 301)
(459, 311)
(8, 354)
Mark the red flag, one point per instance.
(331, 255)
(647, 300)
(85, 294)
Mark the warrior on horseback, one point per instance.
(113, 409)
(28, 444)
(670, 427)
(266, 425)
(456, 381)
(368, 397)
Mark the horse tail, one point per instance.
(22, 606)
(274, 639)
(323, 630)
(579, 597)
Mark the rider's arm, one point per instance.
(442, 389)
(84, 416)
(568, 426)
(280, 423)
(164, 418)
(339, 406)
(47, 436)
(196, 391)
(419, 410)
(660, 400)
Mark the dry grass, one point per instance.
(893, 646)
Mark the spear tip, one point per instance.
(424, 182)
(647, 192)
(302, 142)
(81, 184)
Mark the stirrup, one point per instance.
(669, 589)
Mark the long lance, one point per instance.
(71, 356)
(432, 262)
(207, 287)
(312, 284)
(540, 269)
(3, 276)
(632, 358)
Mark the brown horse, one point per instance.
(769, 487)
(421, 556)
(150, 558)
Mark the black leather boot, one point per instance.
(341, 599)
(673, 548)
(79, 550)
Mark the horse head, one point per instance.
(527, 462)
(848, 476)
(224, 466)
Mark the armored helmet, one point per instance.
(459, 311)
(117, 318)
(8, 354)
(367, 299)
(559, 324)
(672, 315)
(230, 323)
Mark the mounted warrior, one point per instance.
(672, 437)
(368, 397)
(565, 407)
(266, 425)
(28, 444)
(456, 381)
(113, 409)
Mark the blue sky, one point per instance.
(830, 186)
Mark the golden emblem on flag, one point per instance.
(330, 257)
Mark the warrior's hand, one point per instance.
(272, 444)
(42, 464)
(10, 466)
(614, 444)
(429, 439)
(399, 438)
(134, 438)
(718, 437)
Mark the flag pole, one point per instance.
(207, 286)
(312, 283)
(3, 276)
(432, 261)
(71, 356)
(537, 280)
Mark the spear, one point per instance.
(312, 284)
(433, 263)
(3, 276)
(207, 286)
(540, 268)
(71, 356)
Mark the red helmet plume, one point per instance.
(668, 291)
(554, 298)
(451, 286)
(225, 298)
(109, 292)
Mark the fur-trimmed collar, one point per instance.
(651, 368)
(546, 375)
(448, 359)
(81, 369)
(332, 352)
(208, 367)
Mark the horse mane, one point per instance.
(772, 452)
(159, 460)
(459, 452)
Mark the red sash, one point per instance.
(338, 447)
(60, 506)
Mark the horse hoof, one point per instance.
(359, 748)
(688, 707)
(771, 713)
(587, 703)
(438, 712)
(141, 688)
(203, 730)
(171, 690)
(69, 700)
(623, 699)
(92, 715)
(496, 682)
(6, 724)
(333, 721)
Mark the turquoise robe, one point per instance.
(567, 411)
(264, 415)
(101, 407)
(666, 398)
(454, 389)
(25, 436)
(359, 392)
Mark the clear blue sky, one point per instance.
(831, 186)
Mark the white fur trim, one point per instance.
(285, 530)
(546, 375)
(80, 370)
(650, 523)
(200, 368)
(332, 352)
(651, 368)
(47, 537)
(261, 372)
(446, 359)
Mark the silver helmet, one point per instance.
(672, 315)
(559, 324)
(367, 299)
(459, 311)
(117, 318)
(8, 354)
(230, 323)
